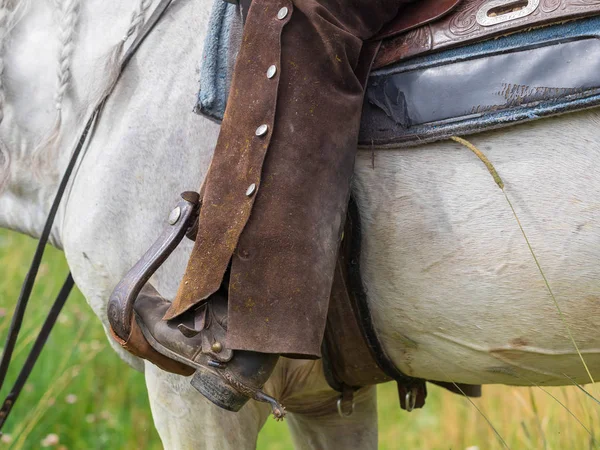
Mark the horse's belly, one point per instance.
(455, 291)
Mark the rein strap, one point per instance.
(25, 294)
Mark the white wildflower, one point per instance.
(50, 440)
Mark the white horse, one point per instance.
(454, 290)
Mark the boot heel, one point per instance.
(214, 388)
(225, 391)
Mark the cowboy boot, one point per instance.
(197, 339)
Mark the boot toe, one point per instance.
(150, 308)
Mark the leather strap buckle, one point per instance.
(412, 396)
(345, 404)
(410, 400)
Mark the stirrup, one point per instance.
(217, 382)
(123, 297)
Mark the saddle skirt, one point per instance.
(353, 356)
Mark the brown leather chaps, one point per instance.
(275, 198)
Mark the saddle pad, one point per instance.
(220, 51)
(466, 90)
(493, 84)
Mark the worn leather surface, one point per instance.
(122, 300)
(124, 327)
(353, 355)
(416, 14)
(461, 27)
(137, 345)
(238, 158)
(205, 327)
(348, 356)
(283, 240)
(512, 79)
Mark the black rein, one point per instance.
(25, 294)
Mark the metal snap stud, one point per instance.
(271, 71)
(283, 12)
(262, 130)
(217, 347)
(251, 189)
(175, 215)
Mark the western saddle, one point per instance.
(353, 354)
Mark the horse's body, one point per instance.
(454, 290)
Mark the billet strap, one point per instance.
(360, 305)
(28, 283)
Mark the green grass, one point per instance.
(83, 395)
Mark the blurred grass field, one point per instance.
(81, 396)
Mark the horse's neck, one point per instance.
(55, 66)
